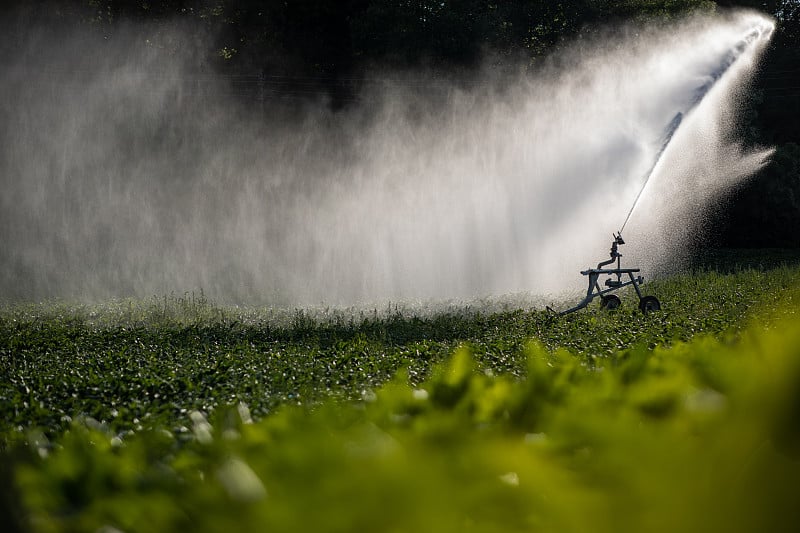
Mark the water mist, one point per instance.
(136, 176)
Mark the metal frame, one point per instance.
(594, 274)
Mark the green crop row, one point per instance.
(700, 436)
(176, 414)
(140, 364)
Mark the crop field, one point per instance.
(176, 414)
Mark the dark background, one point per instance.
(298, 50)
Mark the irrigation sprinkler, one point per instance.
(619, 277)
(614, 282)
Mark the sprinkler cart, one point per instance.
(615, 279)
(614, 282)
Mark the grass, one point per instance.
(174, 413)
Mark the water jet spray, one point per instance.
(726, 63)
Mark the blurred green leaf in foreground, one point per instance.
(698, 436)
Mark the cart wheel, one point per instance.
(649, 303)
(610, 302)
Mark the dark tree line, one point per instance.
(324, 46)
(336, 37)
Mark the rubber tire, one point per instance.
(649, 304)
(610, 302)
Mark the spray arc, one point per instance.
(617, 276)
(119, 181)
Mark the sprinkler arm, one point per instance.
(615, 255)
